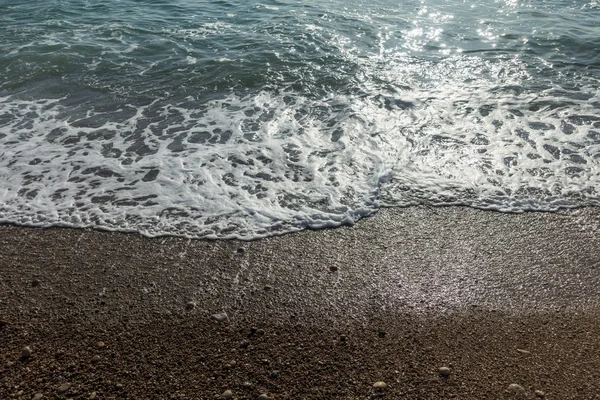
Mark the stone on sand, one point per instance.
(379, 385)
(515, 388)
(92, 396)
(263, 397)
(444, 372)
(540, 393)
(38, 396)
(64, 387)
(96, 359)
(220, 317)
(228, 394)
(26, 352)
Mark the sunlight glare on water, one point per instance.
(248, 119)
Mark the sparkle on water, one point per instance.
(247, 119)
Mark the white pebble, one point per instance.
(379, 385)
(221, 317)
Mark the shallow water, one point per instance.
(246, 119)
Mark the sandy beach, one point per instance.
(508, 305)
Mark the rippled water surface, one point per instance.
(245, 119)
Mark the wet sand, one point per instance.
(499, 299)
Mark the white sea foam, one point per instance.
(267, 163)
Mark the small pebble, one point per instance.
(96, 359)
(119, 386)
(190, 305)
(228, 394)
(379, 385)
(268, 288)
(540, 393)
(37, 396)
(241, 251)
(247, 385)
(92, 395)
(35, 283)
(381, 333)
(64, 387)
(221, 317)
(260, 332)
(333, 268)
(100, 344)
(26, 352)
(515, 388)
(263, 397)
(444, 372)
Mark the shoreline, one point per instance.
(563, 211)
(498, 298)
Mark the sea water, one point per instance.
(241, 118)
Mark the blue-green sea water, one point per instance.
(237, 118)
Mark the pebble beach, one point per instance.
(456, 303)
